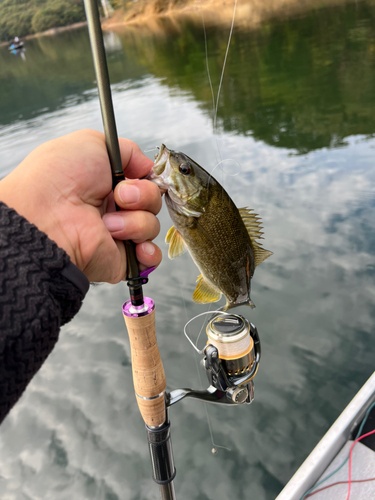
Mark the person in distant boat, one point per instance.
(59, 231)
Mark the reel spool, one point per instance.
(232, 357)
(231, 337)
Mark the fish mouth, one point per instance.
(161, 168)
(160, 155)
(161, 160)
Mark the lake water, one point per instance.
(296, 124)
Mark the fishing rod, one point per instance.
(139, 312)
(232, 354)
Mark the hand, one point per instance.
(64, 188)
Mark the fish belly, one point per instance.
(222, 251)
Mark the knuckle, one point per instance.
(142, 225)
(156, 197)
(157, 227)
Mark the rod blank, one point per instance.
(110, 131)
(104, 88)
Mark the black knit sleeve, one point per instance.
(40, 290)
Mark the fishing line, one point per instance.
(195, 317)
(183, 300)
(210, 82)
(223, 170)
(226, 173)
(208, 69)
(215, 105)
(225, 61)
(215, 110)
(215, 446)
(149, 150)
(201, 330)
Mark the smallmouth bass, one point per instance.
(220, 238)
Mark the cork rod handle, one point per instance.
(148, 372)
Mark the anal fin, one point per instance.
(205, 293)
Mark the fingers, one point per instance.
(138, 225)
(148, 255)
(138, 195)
(135, 164)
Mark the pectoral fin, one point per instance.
(253, 225)
(176, 243)
(205, 293)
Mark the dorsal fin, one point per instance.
(176, 243)
(205, 293)
(253, 225)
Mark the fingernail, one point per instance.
(129, 193)
(113, 222)
(148, 248)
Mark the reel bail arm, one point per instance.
(230, 364)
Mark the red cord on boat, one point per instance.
(350, 460)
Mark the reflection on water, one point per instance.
(297, 114)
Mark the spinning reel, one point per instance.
(231, 360)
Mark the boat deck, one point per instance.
(363, 466)
(333, 450)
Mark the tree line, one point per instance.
(25, 17)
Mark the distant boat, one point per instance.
(16, 46)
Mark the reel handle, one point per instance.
(148, 372)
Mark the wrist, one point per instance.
(34, 205)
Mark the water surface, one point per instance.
(295, 126)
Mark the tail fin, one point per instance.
(231, 305)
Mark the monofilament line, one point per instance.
(200, 351)
(214, 445)
(207, 66)
(225, 62)
(215, 103)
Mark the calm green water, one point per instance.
(296, 124)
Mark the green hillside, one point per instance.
(24, 17)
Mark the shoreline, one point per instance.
(51, 31)
(250, 13)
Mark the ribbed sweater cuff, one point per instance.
(40, 290)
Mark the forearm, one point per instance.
(40, 290)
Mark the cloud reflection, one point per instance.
(76, 433)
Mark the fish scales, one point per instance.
(220, 238)
(219, 245)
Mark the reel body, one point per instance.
(231, 360)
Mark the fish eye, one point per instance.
(184, 169)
